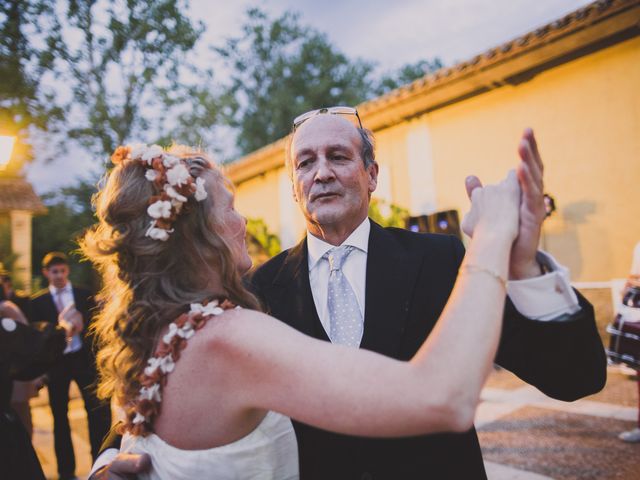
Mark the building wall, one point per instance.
(586, 114)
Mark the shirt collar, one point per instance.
(359, 238)
(67, 289)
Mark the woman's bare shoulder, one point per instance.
(237, 329)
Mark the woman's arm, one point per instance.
(272, 366)
(29, 349)
(10, 310)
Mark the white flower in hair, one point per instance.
(186, 331)
(151, 393)
(158, 233)
(178, 174)
(170, 161)
(211, 308)
(151, 175)
(137, 150)
(167, 364)
(201, 193)
(172, 192)
(152, 365)
(151, 152)
(173, 330)
(159, 209)
(139, 419)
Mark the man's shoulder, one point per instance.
(410, 239)
(271, 267)
(40, 295)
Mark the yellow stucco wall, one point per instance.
(586, 114)
(259, 198)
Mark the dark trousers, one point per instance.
(76, 366)
(18, 460)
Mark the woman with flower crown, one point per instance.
(208, 382)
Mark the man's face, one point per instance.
(330, 181)
(57, 275)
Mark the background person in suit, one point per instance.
(61, 299)
(25, 352)
(22, 390)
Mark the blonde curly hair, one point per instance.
(146, 283)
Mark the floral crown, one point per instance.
(171, 175)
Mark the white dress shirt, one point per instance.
(540, 298)
(63, 298)
(354, 268)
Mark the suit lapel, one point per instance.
(391, 274)
(51, 307)
(292, 300)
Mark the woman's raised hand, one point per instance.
(494, 208)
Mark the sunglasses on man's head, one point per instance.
(300, 119)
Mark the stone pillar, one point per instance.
(21, 247)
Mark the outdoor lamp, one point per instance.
(6, 147)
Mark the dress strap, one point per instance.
(142, 411)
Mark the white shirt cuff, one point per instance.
(546, 297)
(106, 457)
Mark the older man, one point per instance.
(333, 171)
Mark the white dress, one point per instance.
(269, 452)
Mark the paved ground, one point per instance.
(524, 435)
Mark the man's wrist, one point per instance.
(529, 270)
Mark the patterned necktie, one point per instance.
(344, 314)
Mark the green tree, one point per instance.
(257, 230)
(69, 214)
(126, 71)
(387, 214)
(279, 69)
(406, 74)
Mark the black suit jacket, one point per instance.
(409, 279)
(43, 309)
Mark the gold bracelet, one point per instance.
(476, 268)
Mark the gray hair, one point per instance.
(367, 149)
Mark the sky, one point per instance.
(388, 32)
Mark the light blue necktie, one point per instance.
(346, 323)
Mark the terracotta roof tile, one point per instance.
(571, 22)
(18, 194)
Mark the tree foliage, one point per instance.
(69, 214)
(124, 74)
(125, 71)
(387, 214)
(406, 74)
(280, 69)
(258, 230)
